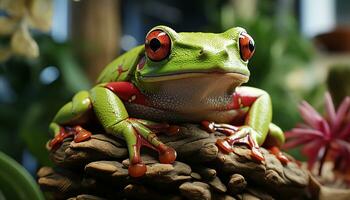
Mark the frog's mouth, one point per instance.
(236, 76)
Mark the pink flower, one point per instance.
(323, 138)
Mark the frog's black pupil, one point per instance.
(251, 46)
(154, 44)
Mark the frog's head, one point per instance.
(213, 57)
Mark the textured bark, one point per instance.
(97, 168)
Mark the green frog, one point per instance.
(190, 77)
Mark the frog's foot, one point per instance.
(58, 139)
(79, 134)
(160, 127)
(211, 127)
(279, 155)
(143, 136)
(226, 145)
(241, 135)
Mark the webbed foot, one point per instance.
(79, 133)
(243, 135)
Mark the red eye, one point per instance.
(157, 45)
(246, 46)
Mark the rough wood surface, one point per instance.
(97, 169)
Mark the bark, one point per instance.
(97, 168)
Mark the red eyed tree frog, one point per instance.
(174, 78)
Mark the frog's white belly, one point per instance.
(154, 114)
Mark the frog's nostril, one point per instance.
(223, 53)
(203, 53)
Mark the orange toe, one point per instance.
(82, 136)
(137, 170)
(55, 142)
(208, 126)
(256, 154)
(167, 156)
(224, 145)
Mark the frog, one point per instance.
(174, 78)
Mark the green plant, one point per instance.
(16, 182)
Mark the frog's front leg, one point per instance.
(65, 122)
(256, 124)
(113, 116)
(274, 140)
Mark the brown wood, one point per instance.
(201, 171)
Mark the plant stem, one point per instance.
(323, 159)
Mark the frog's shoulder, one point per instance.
(123, 67)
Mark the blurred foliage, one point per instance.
(31, 101)
(15, 182)
(16, 17)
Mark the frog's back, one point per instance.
(123, 67)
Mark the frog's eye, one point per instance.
(157, 45)
(246, 46)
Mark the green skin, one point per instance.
(195, 83)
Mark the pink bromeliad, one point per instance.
(323, 137)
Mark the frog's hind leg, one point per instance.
(112, 114)
(274, 140)
(75, 112)
(166, 154)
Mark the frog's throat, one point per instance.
(191, 92)
(239, 77)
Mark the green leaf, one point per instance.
(16, 182)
